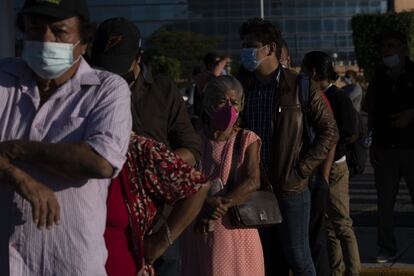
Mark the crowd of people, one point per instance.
(104, 171)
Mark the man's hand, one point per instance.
(218, 206)
(294, 178)
(403, 118)
(11, 149)
(45, 207)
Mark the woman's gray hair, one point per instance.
(217, 87)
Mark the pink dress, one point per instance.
(227, 251)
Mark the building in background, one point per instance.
(306, 24)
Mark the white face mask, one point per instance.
(392, 61)
(49, 60)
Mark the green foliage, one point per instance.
(367, 26)
(187, 47)
(167, 66)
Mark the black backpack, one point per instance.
(357, 152)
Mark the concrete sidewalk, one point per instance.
(368, 249)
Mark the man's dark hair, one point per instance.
(265, 31)
(285, 45)
(391, 34)
(321, 64)
(86, 28)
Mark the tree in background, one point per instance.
(165, 47)
(367, 27)
(167, 66)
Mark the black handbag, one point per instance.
(261, 209)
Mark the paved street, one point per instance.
(363, 210)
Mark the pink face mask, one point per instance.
(224, 118)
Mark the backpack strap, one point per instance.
(304, 90)
(264, 181)
(304, 98)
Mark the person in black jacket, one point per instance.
(390, 106)
(342, 243)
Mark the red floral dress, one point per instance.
(151, 177)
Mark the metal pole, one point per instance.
(262, 9)
(391, 5)
(6, 28)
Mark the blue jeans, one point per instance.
(294, 233)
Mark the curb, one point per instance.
(387, 271)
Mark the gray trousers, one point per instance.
(390, 166)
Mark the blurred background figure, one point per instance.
(353, 89)
(188, 93)
(215, 65)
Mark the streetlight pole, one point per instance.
(6, 29)
(262, 9)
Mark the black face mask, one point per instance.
(129, 77)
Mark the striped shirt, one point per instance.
(259, 110)
(93, 106)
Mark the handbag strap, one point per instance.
(264, 181)
(234, 159)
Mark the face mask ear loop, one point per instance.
(260, 61)
(79, 57)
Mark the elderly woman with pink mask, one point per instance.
(213, 246)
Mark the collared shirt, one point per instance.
(328, 87)
(93, 106)
(259, 113)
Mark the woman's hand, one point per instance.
(154, 246)
(217, 206)
(204, 225)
